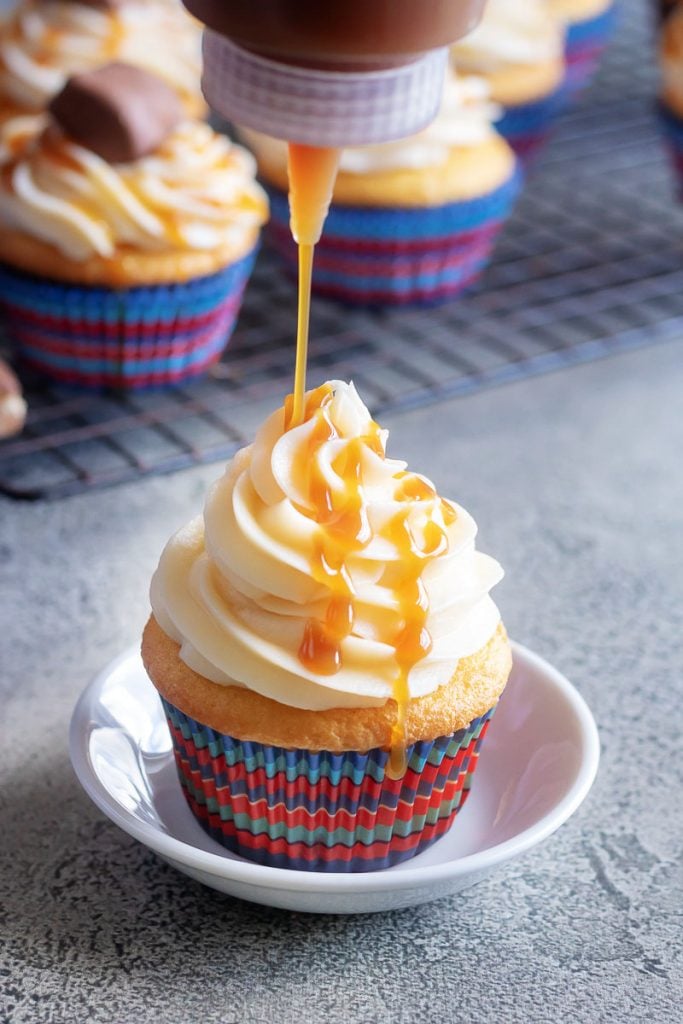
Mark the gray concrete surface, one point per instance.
(577, 485)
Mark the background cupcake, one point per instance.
(589, 25)
(127, 235)
(44, 42)
(326, 609)
(412, 221)
(519, 50)
(671, 89)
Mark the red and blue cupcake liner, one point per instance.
(124, 339)
(585, 43)
(672, 131)
(377, 256)
(320, 811)
(526, 126)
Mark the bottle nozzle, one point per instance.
(312, 173)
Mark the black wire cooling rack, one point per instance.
(590, 264)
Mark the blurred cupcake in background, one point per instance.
(127, 234)
(519, 50)
(589, 25)
(44, 42)
(671, 87)
(414, 221)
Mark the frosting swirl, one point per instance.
(509, 33)
(195, 192)
(246, 588)
(465, 118)
(43, 43)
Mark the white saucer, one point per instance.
(538, 762)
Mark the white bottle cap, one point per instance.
(316, 107)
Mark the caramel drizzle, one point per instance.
(343, 531)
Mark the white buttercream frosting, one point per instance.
(43, 42)
(510, 34)
(236, 587)
(197, 191)
(465, 119)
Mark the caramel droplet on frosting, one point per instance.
(120, 112)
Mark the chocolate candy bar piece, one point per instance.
(118, 111)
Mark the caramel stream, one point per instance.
(343, 529)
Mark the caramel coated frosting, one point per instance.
(196, 194)
(43, 42)
(323, 574)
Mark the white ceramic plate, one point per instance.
(538, 762)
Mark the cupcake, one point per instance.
(589, 26)
(519, 50)
(325, 647)
(412, 222)
(671, 88)
(127, 234)
(44, 42)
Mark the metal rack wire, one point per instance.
(590, 264)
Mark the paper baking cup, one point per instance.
(527, 125)
(672, 131)
(132, 338)
(318, 811)
(584, 45)
(377, 256)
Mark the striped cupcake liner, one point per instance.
(672, 131)
(527, 125)
(125, 339)
(375, 256)
(585, 43)
(318, 811)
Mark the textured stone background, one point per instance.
(577, 485)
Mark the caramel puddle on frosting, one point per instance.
(343, 531)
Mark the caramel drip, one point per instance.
(412, 641)
(312, 172)
(116, 39)
(52, 38)
(302, 322)
(342, 528)
(49, 43)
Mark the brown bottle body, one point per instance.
(339, 35)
